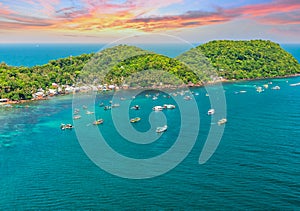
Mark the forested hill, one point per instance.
(249, 59)
(229, 59)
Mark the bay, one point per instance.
(255, 166)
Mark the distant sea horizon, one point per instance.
(32, 54)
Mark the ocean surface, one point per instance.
(255, 166)
(39, 54)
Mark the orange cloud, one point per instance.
(4, 9)
(188, 20)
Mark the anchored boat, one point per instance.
(134, 120)
(161, 129)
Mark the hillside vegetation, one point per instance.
(17, 83)
(137, 67)
(249, 59)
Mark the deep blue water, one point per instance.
(255, 166)
(39, 54)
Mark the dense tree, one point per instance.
(138, 67)
(249, 59)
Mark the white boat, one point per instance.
(98, 122)
(107, 108)
(157, 108)
(161, 129)
(296, 84)
(89, 112)
(187, 97)
(211, 111)
(259, 89)
(222, 121)
(115, 105)
(169, 106)
(154, 98)
(276, 87)
(76, 117)
(136, 107)
(66, 126)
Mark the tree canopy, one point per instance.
(249, 59)
(137, 67)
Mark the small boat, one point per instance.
(115, 105)
(181, 93)
(134, 120)
(211, 111)
(266, 86)
(169, 106)
(161, 129)
(98, 122)
(296, 84)
(276, 87)
(101, 104)
(76, 117)
(154, 98)
(222, 121)
(84, 107)
(107, 108)
(136, 107)
(207, 95)
(243, 91)
(187, 97)
(89, 112)
(259, 89)
(66, 126)
(76, 111)
(157, 108)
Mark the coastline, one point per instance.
(210, 83)
(261, 79)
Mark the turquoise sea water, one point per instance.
(39, 54)
(256, 165)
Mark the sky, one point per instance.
(195, 21)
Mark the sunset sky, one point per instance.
(38, 21)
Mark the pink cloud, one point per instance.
(132, 14)
(4, 9)
(269, 12)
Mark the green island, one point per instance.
(213, 61)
